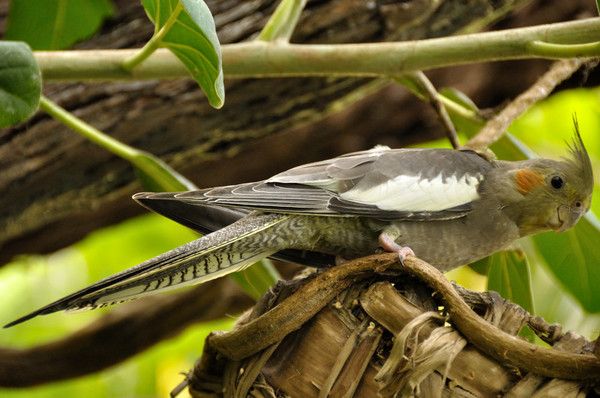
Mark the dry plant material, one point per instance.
(384, 333)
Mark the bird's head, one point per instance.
(548, 194)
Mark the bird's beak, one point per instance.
(568, 217)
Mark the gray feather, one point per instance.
(315, 188)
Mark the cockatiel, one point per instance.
(451, 207)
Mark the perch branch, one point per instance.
(264, 59)
(498, 344)
(295, 310)
(119, 335)
(302, 305)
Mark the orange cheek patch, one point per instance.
(527, 180)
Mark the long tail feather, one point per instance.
(212, 256)
(202, 218)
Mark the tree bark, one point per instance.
(57, 187)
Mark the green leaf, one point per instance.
(509, 275)
(56, 24)
(257, 279)
(193, 39)
(482, 267)
(20, 83)
(155, 175)
(573, 257)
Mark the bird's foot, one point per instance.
(388, 244)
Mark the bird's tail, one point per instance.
(220, 253)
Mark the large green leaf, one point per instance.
(193, 39)
(509, 275)
(55, 24)
(574, 258)
(20, 83)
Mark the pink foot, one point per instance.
(389, 245)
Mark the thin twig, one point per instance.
(497, 126)
(421, 86)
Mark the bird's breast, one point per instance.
(447, 244)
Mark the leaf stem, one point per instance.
(164, 177)
(154, 43)
(460, 110)
(282, 23)
(82, 128)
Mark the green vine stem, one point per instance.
(263, 59)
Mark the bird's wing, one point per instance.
(400, 184)
(207, 219)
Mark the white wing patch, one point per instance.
(413, 193)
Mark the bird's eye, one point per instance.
(557, 182)
(578, 204)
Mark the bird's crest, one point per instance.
(580, 160)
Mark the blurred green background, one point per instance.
(32, 281)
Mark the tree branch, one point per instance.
(497, 126)
(263, 59)
(119, 335)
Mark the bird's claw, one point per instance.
(403, 252)
(388, 244)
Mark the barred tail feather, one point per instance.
(225, 251)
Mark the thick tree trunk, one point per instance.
(57, 187)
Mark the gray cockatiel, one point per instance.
(451, 207)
